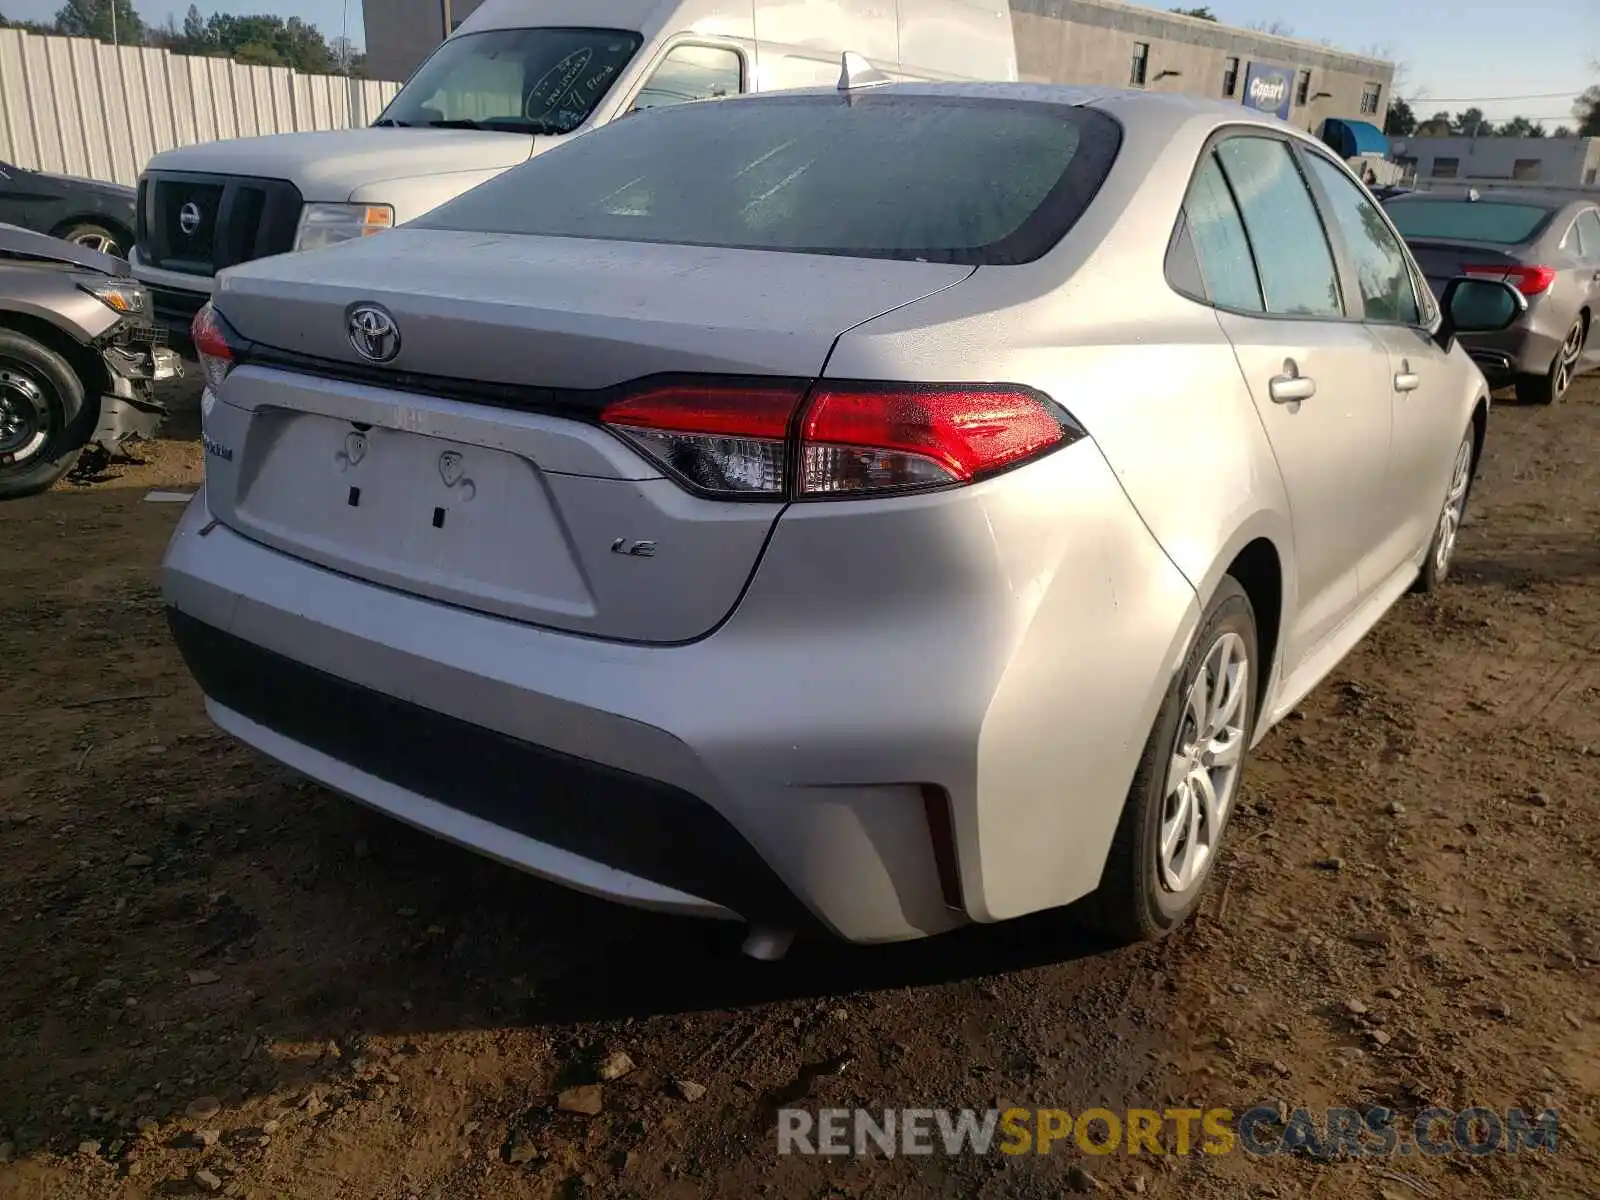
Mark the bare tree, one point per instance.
(1400, 85)
(1273, 28)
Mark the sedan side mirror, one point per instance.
(1477, 306)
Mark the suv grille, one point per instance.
(199, 224)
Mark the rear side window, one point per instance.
(1469, 220)
(1291, 250)
(1588, 227)
(941, 179)
(1219, 241)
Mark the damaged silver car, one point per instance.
(79, 359)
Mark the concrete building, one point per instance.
(1058, 41)
(1103, 42)
(1558, 162)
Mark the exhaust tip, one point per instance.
(767, 945)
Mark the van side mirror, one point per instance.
(1477, 306)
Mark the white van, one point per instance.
(517, 76)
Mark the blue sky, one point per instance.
(1539, 52)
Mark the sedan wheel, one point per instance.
(43, 418)
(1551, 386)
(97, 237)
(1204, 769)
(1170, 834)
(1455, 505)
(1448, 527)
(24, 415)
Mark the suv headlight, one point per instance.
(128, 298)
(326, 224)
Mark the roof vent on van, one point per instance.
(856, 72)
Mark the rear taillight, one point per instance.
(850, 440)
(720, 439)
(1530, 281)
(210, 335)
(882, 439)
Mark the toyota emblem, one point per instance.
(451, 468)
(373, 333)
(189, 218)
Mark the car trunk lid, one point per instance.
(1442, 260)
(470, 468)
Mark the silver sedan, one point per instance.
(869, 510)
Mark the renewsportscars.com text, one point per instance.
(1261, 1131)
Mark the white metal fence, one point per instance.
(75, 106)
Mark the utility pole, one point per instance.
(344, 51)
(113, 4)
(444, 13)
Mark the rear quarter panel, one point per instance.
(1153, 380)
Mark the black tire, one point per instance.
(108, 239)
(1132, 904)
(1550, 387)
(1436, 567)
(41, 393)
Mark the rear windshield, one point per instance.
(949, 179)
(1468, 220)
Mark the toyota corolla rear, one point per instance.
(545, 525)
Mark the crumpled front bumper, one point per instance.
(131, 407)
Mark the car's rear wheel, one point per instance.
(42, 415)
(1441, 550)
(1553, 384)
(94, 236)
(1170, 835)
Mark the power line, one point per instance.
(1426, 99)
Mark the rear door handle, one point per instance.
(1406, 380)
(1286, 389)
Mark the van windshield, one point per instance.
(518, 80)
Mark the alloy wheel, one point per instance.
(1455, 503)
(1203, 770)
(98, 240)
(1567, 360)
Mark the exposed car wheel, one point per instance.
(42, 416)
(1553, 384)
(97, 237)
(1443, 546)
(1177, 811)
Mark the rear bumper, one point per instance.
(1527, 348)
(776, 770)
(683, 855)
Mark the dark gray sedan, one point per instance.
(1546, 245)
(85, 212)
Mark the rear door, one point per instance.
(1317, 374)
(1427, 385)
(1586, 232)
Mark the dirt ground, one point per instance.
(215, 978)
